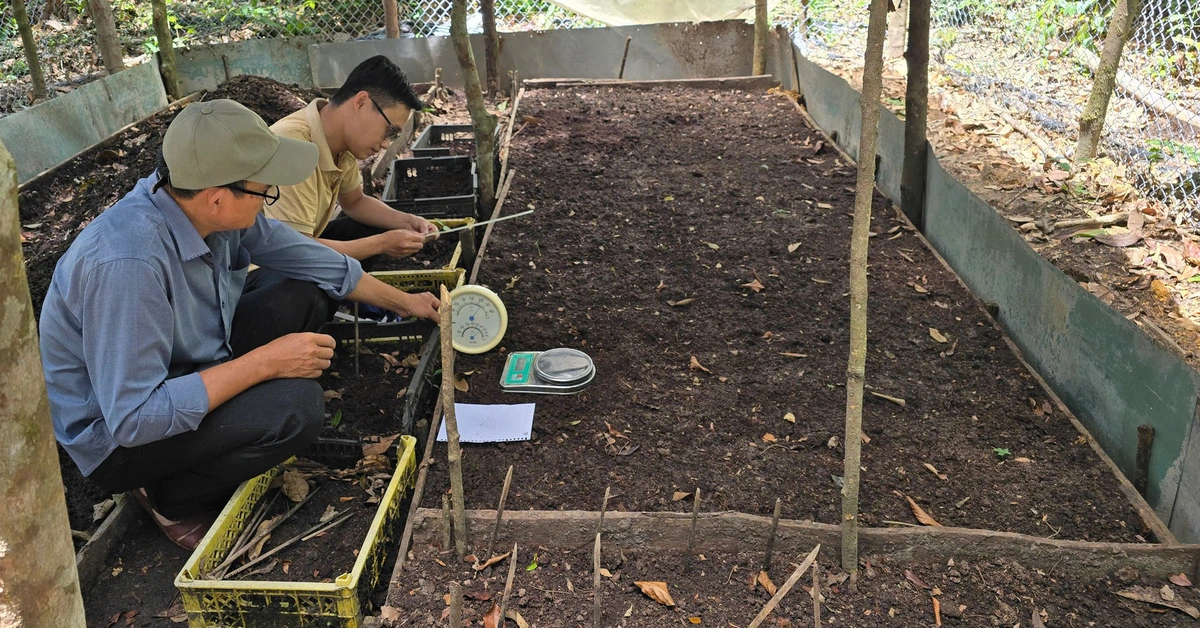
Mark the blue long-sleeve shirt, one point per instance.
(140, 304)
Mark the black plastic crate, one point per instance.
(418, 171)
(430, 142)
(419, 397)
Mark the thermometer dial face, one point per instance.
(479, 319)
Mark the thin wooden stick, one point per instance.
(456, 603)
(692, 532)
(603, 507)
(487, 233)
(787, 586)
(453, 446)
(418, 491)
(771, 539)
(357, 342)
(220, 571)
(512, 571)
(816, 594)
(621, 74)
(508, 133)
(596, 584)
(499, 512)
(446, 517)
(309, 533)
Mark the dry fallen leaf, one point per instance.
(766, 583)
(789, 417)
(332, 394)
(661, 285)
(694, 619)
(896, 400)
(295, 487)
(921, 515)
(933, 470)
(492, 619)
(1180, 580)
(936, 335)
(696, 366)
(912, 577)
(380, 448)
(389, 613)
(657, 591)
(411, 361)
(769, 438)
(461, 384)
(678, 495)
(329, 513)
(680, 303)
(515, 616)
(492, 561)
(1150, 595)
(792, 247)
(755, 285)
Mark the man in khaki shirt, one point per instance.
(361, 118)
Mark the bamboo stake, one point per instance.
(603, 507)
(816, 594)
(787, 586)
(692, 533)
(453, 446)
(596, 584)
(487, 233)
(456, 602)
(446, 537)
(856, 364)
(303, 536)
(512, 571)
(418, 491)
(621, 74)
(771, 539)
(220, 570)
(499, 512)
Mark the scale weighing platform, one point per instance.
(553, 372)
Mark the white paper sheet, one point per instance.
(491, 423)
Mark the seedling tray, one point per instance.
(430, 143)
(254, 604)
(407, 173)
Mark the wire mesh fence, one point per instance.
(1033, 61)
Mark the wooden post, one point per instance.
(106, 35)
(447, 526)
(37, 558)
(856, 365)
(692, 532)
(499, 513)
(771, 537)
(491, 46)
(916, 112)
(1091, 123)
(603, 507)
(624, 57)
(512, 571)
(391, 19)
(759, 65)
(596, 584)
(166, 49)
(30, 46)
(453, 446)
(816, 594)
(456, 604)
(484, 122)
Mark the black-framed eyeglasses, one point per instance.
(271, 198)
(393, 131)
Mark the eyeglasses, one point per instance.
(393, 131)
(271, 198)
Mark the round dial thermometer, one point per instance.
(479, 319)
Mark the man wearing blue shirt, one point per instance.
(142, 317)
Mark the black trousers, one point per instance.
(345, 228)
(196, 472)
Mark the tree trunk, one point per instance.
(106, 35)
(761, 22)
(391, 19)
(30, 46)
(491, 46)
(166, 49)
(856, 367)
(484, 122)
(40, 586)
(895, 34)
(1091, 123)
(916, 111)
(52, 9)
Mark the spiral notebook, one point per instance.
(491, 423)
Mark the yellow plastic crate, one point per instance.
(423, 280)
(250, 604)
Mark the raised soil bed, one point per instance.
(651, 267)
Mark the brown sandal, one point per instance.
(186, 533)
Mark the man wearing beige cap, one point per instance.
(162, 379)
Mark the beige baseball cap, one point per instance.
(219, 142)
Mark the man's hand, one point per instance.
(421, 304)
(424, 227)
(400, 242)
(301, 355)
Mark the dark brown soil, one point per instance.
(324, 557)
(559, 592)
(82, 495)
(372, 402)
(137, 585)
(435, 254)
(433, 183)
(649, 198)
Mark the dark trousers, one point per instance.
(345, 228)
(196, 472)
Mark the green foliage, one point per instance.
(1077, 22)
(337, 419)
(1160, 150)
(1001, 452)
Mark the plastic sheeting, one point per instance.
(629, 12)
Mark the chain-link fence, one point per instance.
(1034, 62)
(69, 55)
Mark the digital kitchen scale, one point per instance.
(553, 372)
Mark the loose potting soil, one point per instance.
(435, 254)
(695, 244)
(372, 402)
(434, 183)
